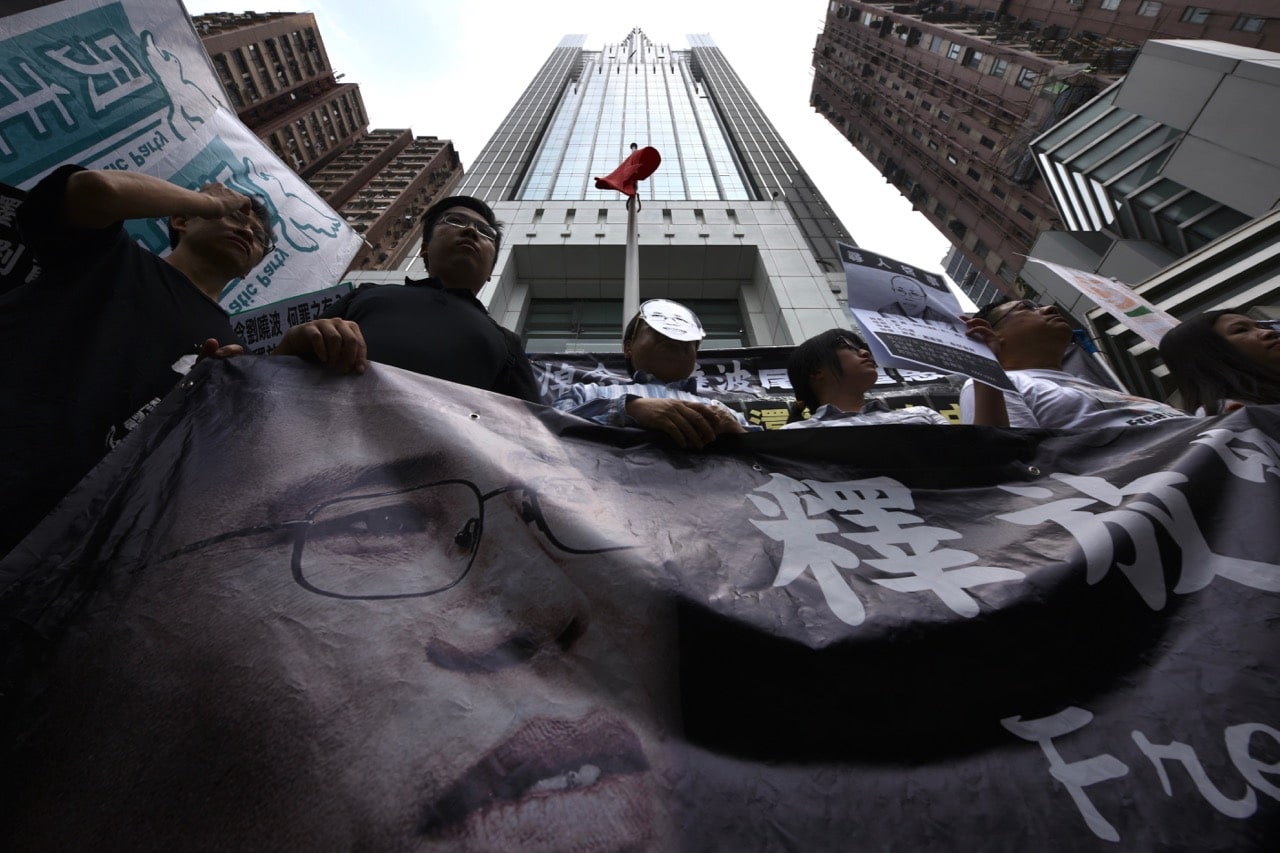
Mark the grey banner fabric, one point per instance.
(300, 611)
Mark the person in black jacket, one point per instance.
(436, 326)
(108, 328)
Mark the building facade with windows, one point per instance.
(1168, 181)
(729, 224)
(276, 74)
(945, 98)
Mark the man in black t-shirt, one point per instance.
(436, 326)
(108, 328)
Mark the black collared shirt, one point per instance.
(439, 332)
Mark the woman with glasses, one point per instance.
(1223, 360)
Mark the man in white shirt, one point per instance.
(1030, 340)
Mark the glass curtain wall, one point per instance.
(635, 91)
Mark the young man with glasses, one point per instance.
(436, 326)
(109, 328)
(1030, 341)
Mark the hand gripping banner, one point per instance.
(301, 611)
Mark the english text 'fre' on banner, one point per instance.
(386, 611)
(911, 319)
(127, 85)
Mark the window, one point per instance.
(987, 142)
(997, 192)
(1027, 78)
(935, 44)
(1027, 213)
(944, 116)
(1109, 5)
(953, 52)
(973, 58)
(1149, 8)
(952, 160)
(1195, 15)
(964, 128)
(1248, 24)
(998, 67)
(974, 173)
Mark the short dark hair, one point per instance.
(435, 211)
(1209, 370)
(256, 207)
(985, 311)
(815, 354)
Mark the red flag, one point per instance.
(640, 165)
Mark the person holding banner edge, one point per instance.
(436, 326)
(129, 324)
(661, 346)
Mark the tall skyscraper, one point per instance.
(277, 76)
(730, 223)
(945, 98)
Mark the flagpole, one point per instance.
(631, 266)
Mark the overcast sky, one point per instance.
(452, 68)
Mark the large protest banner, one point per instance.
(294, 610)
(127, 85)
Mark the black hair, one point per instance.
(256, 207)
(817, 353)
(435, 211)
(1210, 370)
(985, 311)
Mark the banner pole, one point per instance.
(631, 267)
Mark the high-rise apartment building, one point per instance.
(730, 223)
(277, 76)
(1168, 181)
(945, 98)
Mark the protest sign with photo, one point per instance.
(911, 319)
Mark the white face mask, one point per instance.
(672, 319)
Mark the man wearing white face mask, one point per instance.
(661, 346)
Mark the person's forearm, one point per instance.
(96, 199)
